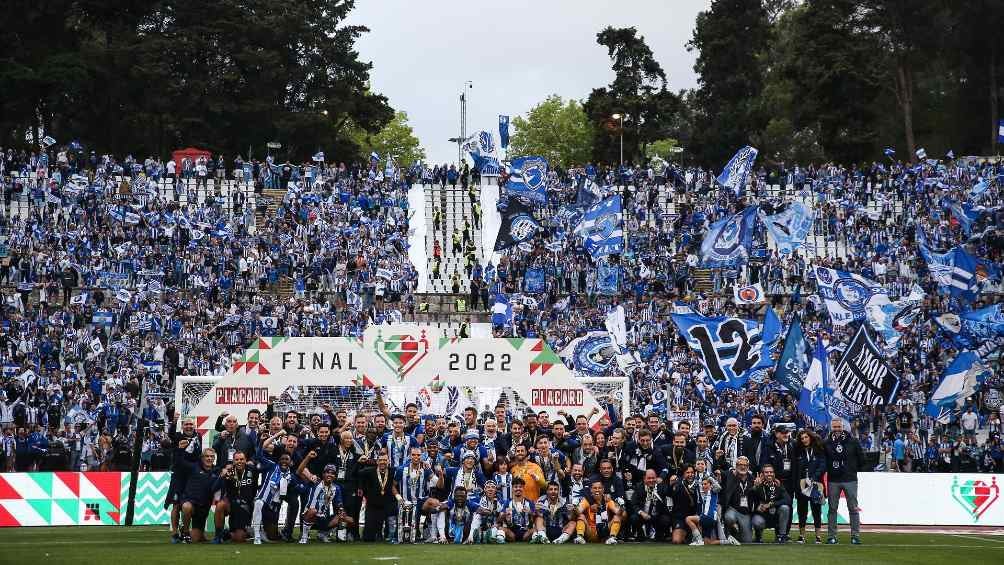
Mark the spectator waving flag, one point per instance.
(481, 147)
(732, 349)
(790, 227)
(954, 270)
(738, 169)
(602, 228)
(518, 225)
(889, 152)
(501, 311)
(795, 359)
(921, 153)
(318, 157)
(749, 294)
(959, 381)
(728, 241)
(529, 179)
(861, 378)
(79, 300)
(845, 294)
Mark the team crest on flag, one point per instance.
(749, 294)
(728, 241)
(401, 352)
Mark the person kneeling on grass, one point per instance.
(704, 526)
(455, 518)
(239, 489)
(278, 484)
(599, 517)
(553, 517)
(773, 505)
(324, 504)
(198, 494)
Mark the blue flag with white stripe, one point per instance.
(602, 228)
(814, 398)
(732, 350)
(960, 381)
(954, 270)
(846, 295)
(790, 227)
(737, 171)
(728, 241)
(529, 179)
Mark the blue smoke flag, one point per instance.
(959, 381)
(728, 241)
(790, 227)
(732, 349)
(814, 399)
(504, 130)
(481, 147)
(795, 359)
(529, 178)
(602, 228)
(738, 169)
(846, 295)
(501, 311)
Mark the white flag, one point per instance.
(79, 300)
(95, 348)
(123, 295)
(749, 294)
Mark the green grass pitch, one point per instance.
(110, 545)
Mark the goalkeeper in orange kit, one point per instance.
(599, 517)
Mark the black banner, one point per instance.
(518, 225)
(862, 376)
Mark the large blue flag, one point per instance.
(602, 228)
(732, 349)
(737, 171)
(959, 381)
(814, 399)
(728, 241)
(607, 278)
(504, 130)
(529, 178)
(533, 280)
(955, 269)
(795, 359)
(790, 228)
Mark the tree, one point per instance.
(731, 40)
(662, 148)
(144, 77)
(396, 139)
(556, 130)
(638, 92)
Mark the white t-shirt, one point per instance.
(170, 167)
(969, 420)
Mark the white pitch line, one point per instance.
(976, 538)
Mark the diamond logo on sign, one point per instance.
(401, 352)
(975, 496)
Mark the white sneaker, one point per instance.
(580, 539)
(733, 541)
(303, 541)
(257, 541)
(611, 540)
(342, 534)
(562, 538)
(698, 541)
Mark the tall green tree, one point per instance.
(731, 39)
(142, 76)
(638, 92)
(395, 139)
(557, 130)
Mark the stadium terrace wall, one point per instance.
(99, 499)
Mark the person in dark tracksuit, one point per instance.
(843, 459)
(197, 497)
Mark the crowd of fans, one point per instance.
(110, 284)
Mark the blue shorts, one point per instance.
(554, 532)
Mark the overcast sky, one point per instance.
(515, 52)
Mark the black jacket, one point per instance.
(844, 458)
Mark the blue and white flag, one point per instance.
(518, 226)
(607, 278)
(48, 141)
(533, 280)
(790, 227)
(795, 359)
(481, 147)
(602, 228)
(959, 381)
(921, 153)
(814, 398)
(966, 215)
(889, 319)
(79, 300)
(738, 169)
(728, 241)
(504, 131)
(591, 354)
(318, 157)
(1000, 131)
(732, 349)
(103, 318)
(374, 159)
(529, 179)
(501, 311)
(979, 188)
(889, 152)
(845, 294)
(955, 270)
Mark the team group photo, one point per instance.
(384, 280)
